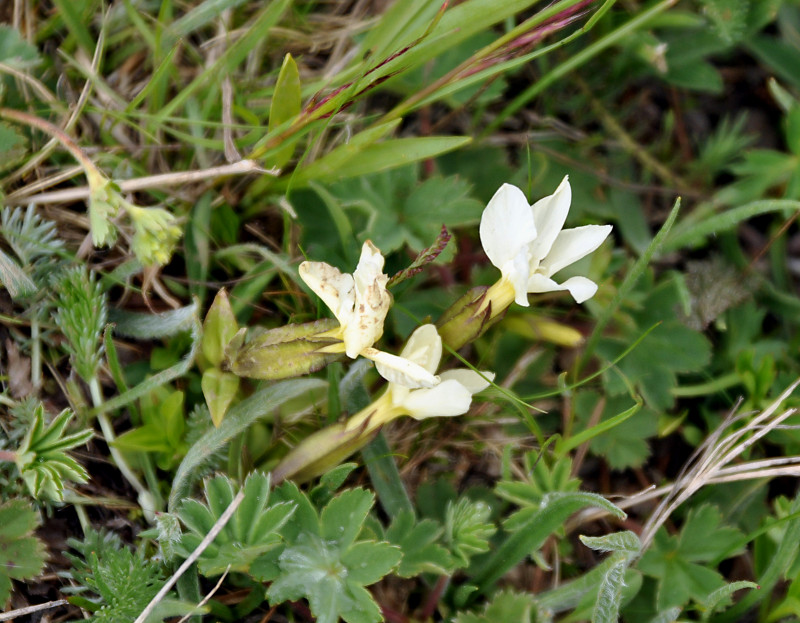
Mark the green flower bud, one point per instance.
(156, 234)
(219, 328)
(285, 352)
(102, 208)
(468, 318)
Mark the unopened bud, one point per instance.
(285, 352)
(219, 328)
(468, 318)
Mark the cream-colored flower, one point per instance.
(360, 303)
(330, 446)
(452, 396)
(529, 245)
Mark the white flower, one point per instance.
(528, 244)
(452, 396)
(360, 303)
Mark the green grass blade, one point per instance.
(628, 283)
(691, 233)
(576, 60)
(554, 511)
(234, 55)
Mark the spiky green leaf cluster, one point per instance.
(468, 529)
(22, 555)
(42, 457)
(324, 562)
(115, 583)
(81, 316)
(252, 531)
(33, 242)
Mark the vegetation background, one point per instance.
(259, 134)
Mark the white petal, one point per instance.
(470, 379)
(507, 225)
(399, 370)
(336, 289)
(424, 346)
(445, 400)
(370, 266)
(549, 215)
(371, 303)
(581, 288)
(517, 272)
(573, 244)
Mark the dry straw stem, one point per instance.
(12, 614)
(24, 197)
(709, 465)
(209, 538)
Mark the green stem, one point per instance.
(108, 433)
(36, 353)
(711, 387)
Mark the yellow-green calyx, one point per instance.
(285, 352)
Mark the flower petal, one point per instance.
(335, 288)
(507, 225)
(447, 399)
(400, 370)
(549, 215)
(581, 288)
(470, 379)
(424, 347)
(573, 244)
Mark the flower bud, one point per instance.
(468, 318)
(284, 352)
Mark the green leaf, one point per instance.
(123, 580)
(609, 594)
(42, 459)
(553, 512)
(256, 407)
(344, 515)
(417, 541)
(395, 153)
(672, 559)
(780, 56)
(333, 164)
(18, 284)
(22, 555)
(219, 389)
(506, 606)
(467, 529)
(285, 106)
(252, 531)
(322, 564)
(152, 326)
(722, 596)
(15, 51)
(626, 542)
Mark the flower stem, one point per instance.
(57, 133)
